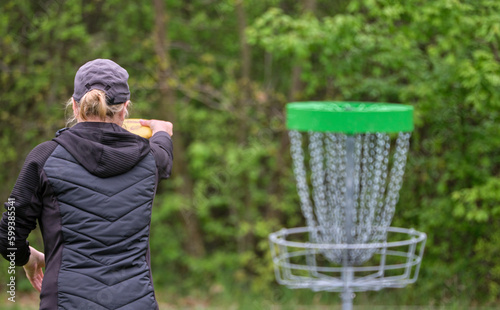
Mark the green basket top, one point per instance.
(349, 117)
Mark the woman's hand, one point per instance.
(34, 267)
(157, 125)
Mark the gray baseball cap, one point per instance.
(103, 74)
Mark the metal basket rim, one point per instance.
(277, 238)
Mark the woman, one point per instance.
(91, 189)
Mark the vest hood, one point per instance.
(103, 149)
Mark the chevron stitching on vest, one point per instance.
(95, 271)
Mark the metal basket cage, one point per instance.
(300, 263)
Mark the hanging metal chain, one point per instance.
(372, 192)
(301, 176)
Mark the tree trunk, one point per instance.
(244, 47)
(245, 242)
(309, 6)
(166, 110)
(295, 83)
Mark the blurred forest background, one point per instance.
(223, 70)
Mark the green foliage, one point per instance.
(440, 56)
(443, 59)
(480, 203)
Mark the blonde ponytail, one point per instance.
(93, 105)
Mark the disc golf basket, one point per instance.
(348, 161)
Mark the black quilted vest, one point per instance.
(105, 225)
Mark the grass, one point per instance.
(286, 300)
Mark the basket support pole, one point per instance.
(347, 273)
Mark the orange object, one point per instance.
(134, 126)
